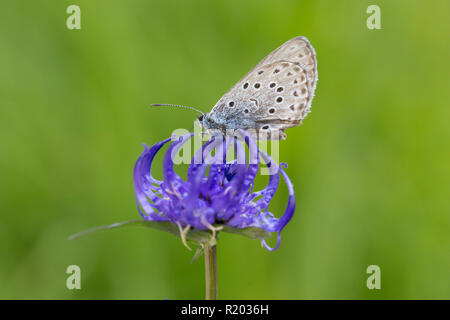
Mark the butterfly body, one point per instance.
(273, 96)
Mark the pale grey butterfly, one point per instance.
(274, 96)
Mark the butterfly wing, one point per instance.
(273, 96)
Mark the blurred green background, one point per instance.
(371, 163)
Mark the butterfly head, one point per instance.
(205, 121)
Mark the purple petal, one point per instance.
(253, 165)
(289, 212)
(225, 202)
(199, 157)
(272, 186)
(263, 241)
(143, 181)
(173, 184)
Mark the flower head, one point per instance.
(216, 192)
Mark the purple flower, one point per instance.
(215, 198)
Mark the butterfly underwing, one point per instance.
(275, 95)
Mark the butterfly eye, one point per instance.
(200, 118)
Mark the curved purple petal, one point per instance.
(143, 181)
(253, 165)
(199, 157)
(263, 242)
(269, 191)
(172, 182)
(288, 213)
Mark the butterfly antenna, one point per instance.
(178, 106)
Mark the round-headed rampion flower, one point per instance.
(216, 192)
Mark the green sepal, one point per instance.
(194, 235)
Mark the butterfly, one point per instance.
(274, 96)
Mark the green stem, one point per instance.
(210, 253)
